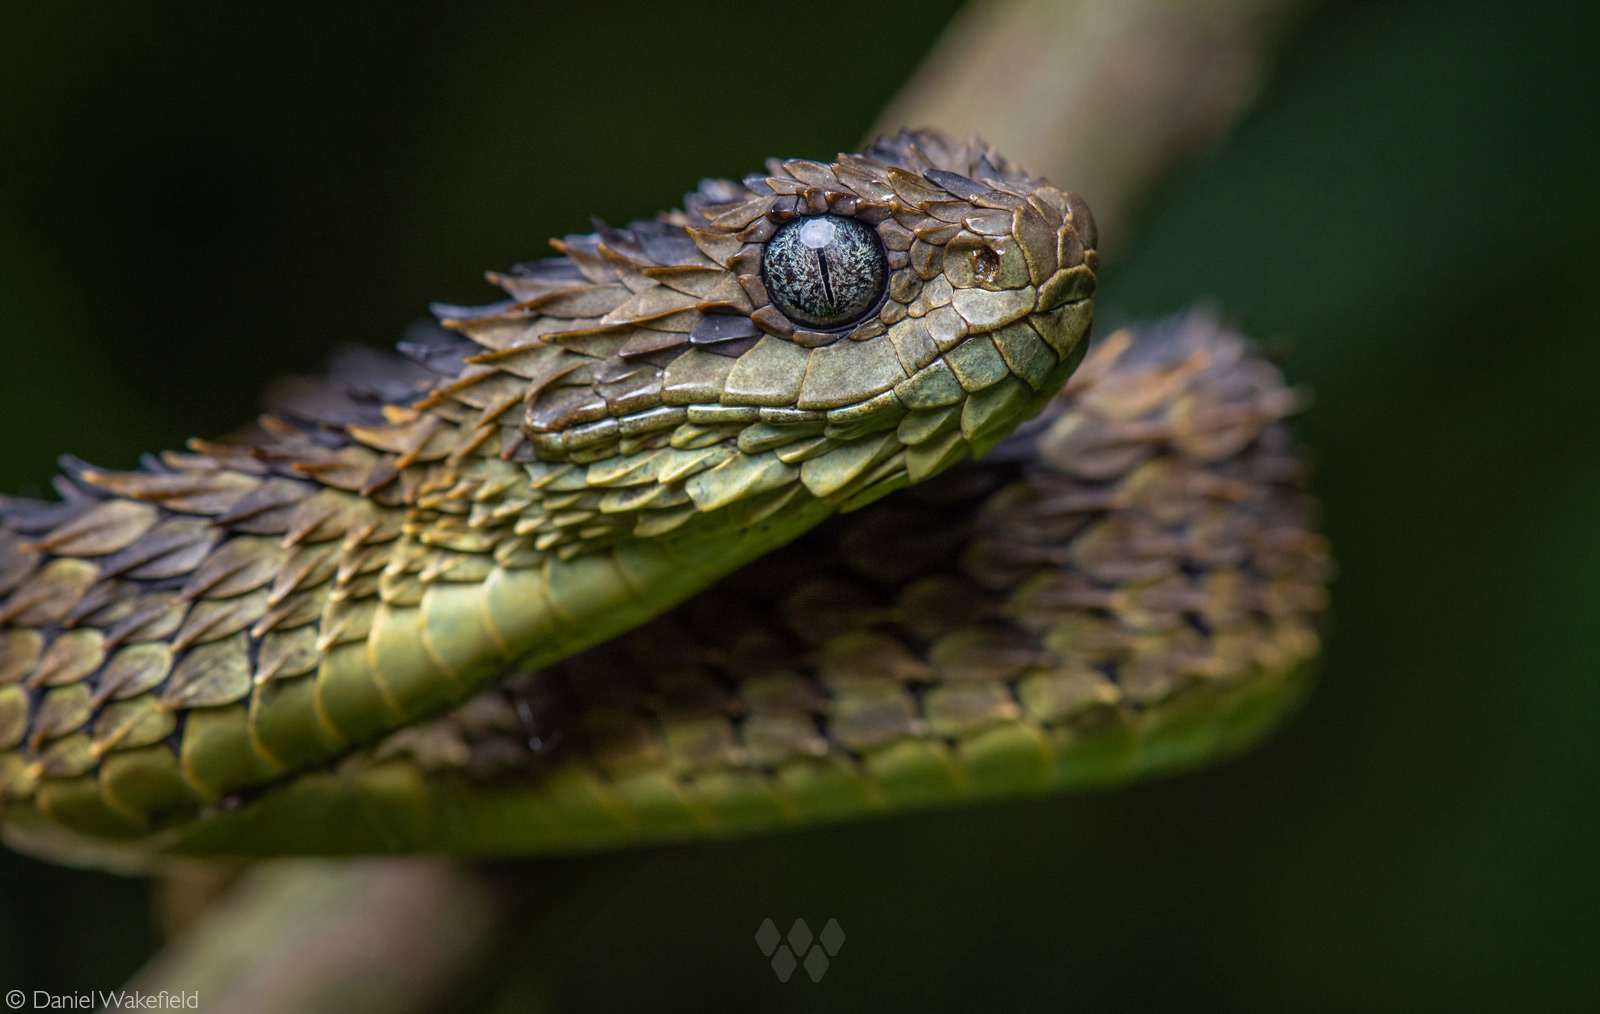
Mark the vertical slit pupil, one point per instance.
(824, 271)
(827, 284)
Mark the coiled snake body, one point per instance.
(253, 647)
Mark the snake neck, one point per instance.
(635, 420)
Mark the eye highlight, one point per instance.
(824, 271)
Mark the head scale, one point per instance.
(854, 326)
(801, 341)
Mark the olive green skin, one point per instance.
(636, 421)
(1019, 626)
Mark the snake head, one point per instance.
(726, 374)
(847, 328)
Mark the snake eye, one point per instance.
(824, 271)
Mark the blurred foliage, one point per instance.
(196, 199)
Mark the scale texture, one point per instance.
(1131, 585)
(226, 649)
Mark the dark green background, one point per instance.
(193, 202)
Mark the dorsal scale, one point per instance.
(635, 419)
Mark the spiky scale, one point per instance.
(111, 526)
(15, 705)
(70, 657)
(325, 549)
(127, 725)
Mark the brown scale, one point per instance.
(1152, 532)
(204, 576)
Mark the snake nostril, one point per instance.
(985, 264)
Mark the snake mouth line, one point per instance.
(641, 416)
(1106, 584)
(1079, 301)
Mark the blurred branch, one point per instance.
(1103, 97)
(307, 936)
(185, 894)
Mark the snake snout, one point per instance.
(1018, 280)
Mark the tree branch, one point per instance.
(1100, 96)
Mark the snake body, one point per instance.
(244, 648)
